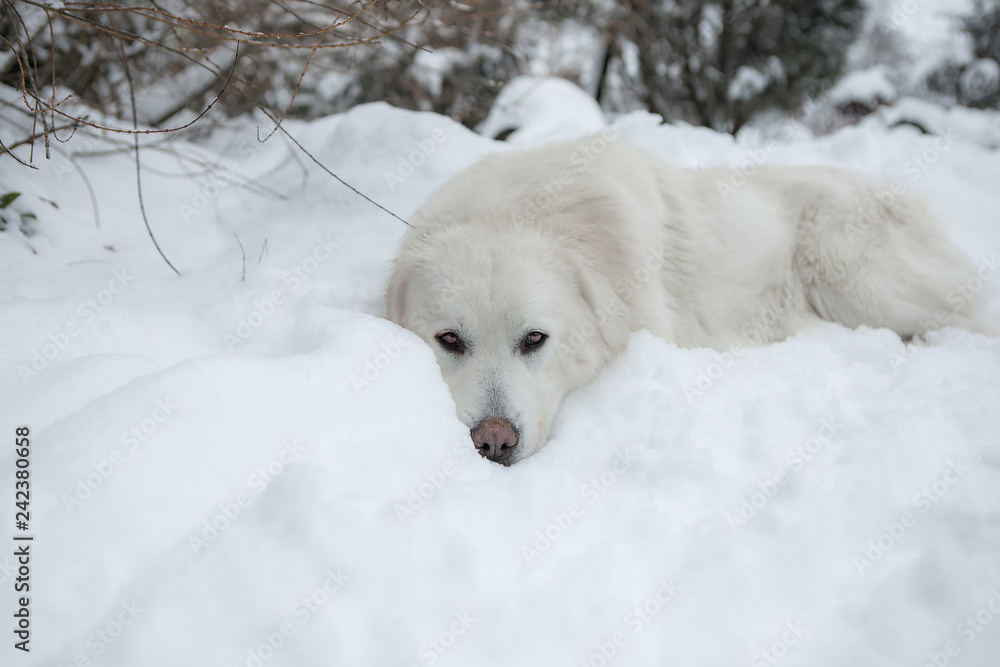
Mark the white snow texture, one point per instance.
(264, 472)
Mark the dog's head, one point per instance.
(516, 320)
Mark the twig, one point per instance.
(173, 20)
(113, 31)
(28, 74)
(246, 37)
(298, 85)
(244, 276)
(7, 150)
(90, 189)
(69, 158)
(136, 130)
(52, 130)
(138, 163)
(338, 178)
(362, 21)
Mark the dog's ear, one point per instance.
(395, 293)
(608, 313)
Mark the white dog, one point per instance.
(526, 272)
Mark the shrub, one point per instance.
(717, 64)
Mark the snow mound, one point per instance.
(750, 82)
(981, 80)
(542, 109)
(870, 88)
(978, 126)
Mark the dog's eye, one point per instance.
(533, 341)
(450, 341)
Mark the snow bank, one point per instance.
(870, 87)
(532, 110)
(261, 471)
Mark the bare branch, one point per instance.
(138, 162)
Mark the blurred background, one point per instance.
(716, 64)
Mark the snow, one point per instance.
(542, 109)
(980, 127)
(750, 82)
(162, 101)
(870, 87)
(981, 80)
(747, 84)
(279, 477)
(430, 67)
(570, 48)
(927, 31)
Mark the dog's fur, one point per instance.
(588, 241)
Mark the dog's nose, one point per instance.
(495, 439)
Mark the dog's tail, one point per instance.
(876, 255)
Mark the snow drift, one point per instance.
(262, 471)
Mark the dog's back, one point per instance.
(753, 262)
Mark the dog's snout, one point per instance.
(495, 439)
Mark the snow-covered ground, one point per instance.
(262, 471)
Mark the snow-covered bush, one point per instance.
(180, 54)
(716, 64)
(974, 79)
(853, 97)
(85, 56)
(980, 82)
(710, 63)
(983, 25)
